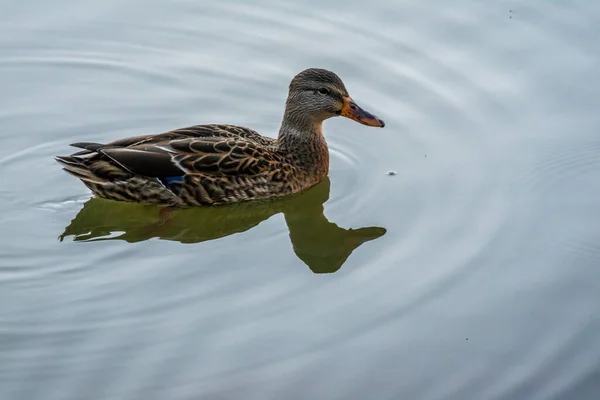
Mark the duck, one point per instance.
(214, 164)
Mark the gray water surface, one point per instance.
(472, 273)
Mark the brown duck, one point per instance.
(218, 164)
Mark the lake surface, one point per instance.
(472, 273)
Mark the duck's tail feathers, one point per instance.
(76, 167)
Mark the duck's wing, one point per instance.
(214, 156)
(197, 131)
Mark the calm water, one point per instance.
(473, 273)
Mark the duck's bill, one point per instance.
(351, 110)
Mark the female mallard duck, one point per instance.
(216, 164)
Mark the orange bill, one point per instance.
(351, 110)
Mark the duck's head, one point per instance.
(318, 94)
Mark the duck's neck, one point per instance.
(301, 138)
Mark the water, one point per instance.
(472, 273)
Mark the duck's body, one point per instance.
(217, 164)
(198, 165)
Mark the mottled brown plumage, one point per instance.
(218, 164)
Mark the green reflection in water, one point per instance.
(320, 244)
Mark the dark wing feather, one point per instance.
(91, 146)
(142, 162)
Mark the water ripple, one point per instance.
(472, 214)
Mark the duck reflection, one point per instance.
(322, 245)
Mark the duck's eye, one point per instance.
(324, 90)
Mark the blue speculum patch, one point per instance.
(171, 179)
